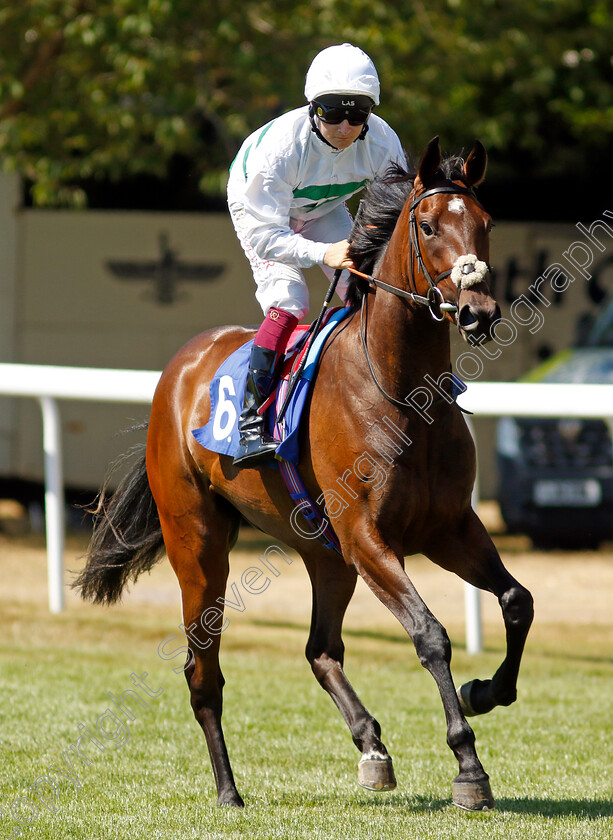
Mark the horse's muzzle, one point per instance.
(477, 318)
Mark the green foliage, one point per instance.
(115, 88)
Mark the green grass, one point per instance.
(549, 756)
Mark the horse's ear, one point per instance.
(429, 164)
(475, 166)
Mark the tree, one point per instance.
(115, 88)
(109, 89)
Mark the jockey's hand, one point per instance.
(337, 255)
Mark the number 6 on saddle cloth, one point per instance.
(220, 434)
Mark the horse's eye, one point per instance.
(426, 228)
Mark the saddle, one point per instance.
(220, 434)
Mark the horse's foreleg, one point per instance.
(480, 696)
(382, 570)
(471, 554)
(333, 586)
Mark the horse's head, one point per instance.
(449, 243)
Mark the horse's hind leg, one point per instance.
(333, 585)
(199, 530)
(471, 554)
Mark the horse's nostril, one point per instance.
(467, 319)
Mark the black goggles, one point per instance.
(335, 114)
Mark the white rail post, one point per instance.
(54, 502)
(472, 595)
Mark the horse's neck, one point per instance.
(404, 341)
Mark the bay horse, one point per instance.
(423, 238)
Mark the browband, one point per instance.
(451, 188)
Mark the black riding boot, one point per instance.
(256, 444)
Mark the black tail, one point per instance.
(127, 538)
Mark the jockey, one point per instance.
(286, 194)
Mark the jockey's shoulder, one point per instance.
(282, 132)
(379, 130)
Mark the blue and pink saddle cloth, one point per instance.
(227, 390)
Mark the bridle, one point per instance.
(443, 305)
(433, 298)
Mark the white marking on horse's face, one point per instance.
(456, 204)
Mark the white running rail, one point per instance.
(48, 384)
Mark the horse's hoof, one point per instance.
(231, 799)
(463, 693)
(376, 772)
(473, 796)
(476, 698)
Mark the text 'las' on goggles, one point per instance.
(354, 109)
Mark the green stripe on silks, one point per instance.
(329, 191)
(257, 143)
(263, 132)
(250, 146)
(245, 161)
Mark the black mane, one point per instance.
(379, 211)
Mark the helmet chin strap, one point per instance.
(315, 128)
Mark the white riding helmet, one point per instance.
(342, 69)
